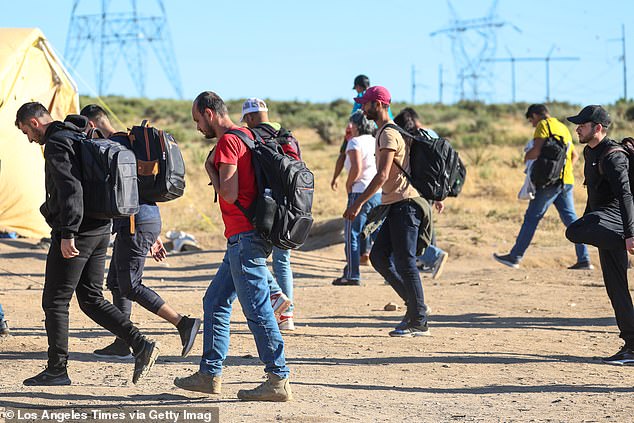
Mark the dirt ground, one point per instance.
(506, 345)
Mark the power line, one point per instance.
(472, 66)
(549, 58)
(127, 34)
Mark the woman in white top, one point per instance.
(361, 167)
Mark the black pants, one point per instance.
(125, 276)
(84, 275)
(604, 230)
(393, 255)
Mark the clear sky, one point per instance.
(311, 50)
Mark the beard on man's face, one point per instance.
(371, 114)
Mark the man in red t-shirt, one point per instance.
(243, 272)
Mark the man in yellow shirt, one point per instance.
(559, 194)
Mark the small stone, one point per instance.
(391, 307)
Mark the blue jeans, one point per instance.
(283, 273)
(1, 313)
(242, 274)
(354, 244)
(561, 197)
(394, 257)
(430, 256)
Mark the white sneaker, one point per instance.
(280, 303)
(285, 322)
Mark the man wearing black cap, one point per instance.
(608, 221)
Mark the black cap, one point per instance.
(361, 81)
(593, 113)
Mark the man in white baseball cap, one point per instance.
(252, 105)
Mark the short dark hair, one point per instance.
(210, 100)
(362, 81)
(407, 119)
(364, 126)
(93, 112)
(538, 109)
(30, 110)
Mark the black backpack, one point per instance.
(160, 164)
(626, 146)
(281, 212)
(548, 168)
(436, 169)
(108, 171)
(282, 136)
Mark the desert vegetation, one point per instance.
(489, 137)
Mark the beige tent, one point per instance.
(29, 71)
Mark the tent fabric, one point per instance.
(29, 71)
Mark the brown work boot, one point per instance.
(274, 389)
(200, 382)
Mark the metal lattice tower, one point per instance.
(473, 43)
(129, 34)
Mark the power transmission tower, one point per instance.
(471, 52)
(129, 34)
(549, 58)
(622, 58)
(415, 84)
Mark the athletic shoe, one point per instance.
(200, 382)
(280, 303)
(346, 282)
(404, 323)
(49, 378)
(423, 268)
(4, 328)
(364, 260)
(285, 322)
(274, 389)
(438, 265)
(145, 359)
(188, 330)
(507, 260)
(410, 331)
(118, 350)
(582, 265)
(624, 357)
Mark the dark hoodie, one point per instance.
(64, 205)
(609, 187)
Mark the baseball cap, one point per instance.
(593, 113)
(375, 93)
(252, 105)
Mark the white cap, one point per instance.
(252, 105)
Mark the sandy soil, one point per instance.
(506, 345)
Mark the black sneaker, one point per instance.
(118, 350)
(625, 357)
(404, 323)
(144, 360)
(4, 328)
(188, 330)
(507, 260)
(410, 331)
(346, 282)
(582, 265)
(49, 378)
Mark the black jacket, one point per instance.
(610, 187)
(64, 205)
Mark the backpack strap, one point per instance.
(94, 133)
(605, 154)
(402, 132)
(251, 144)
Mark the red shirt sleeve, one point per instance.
(229, 149)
